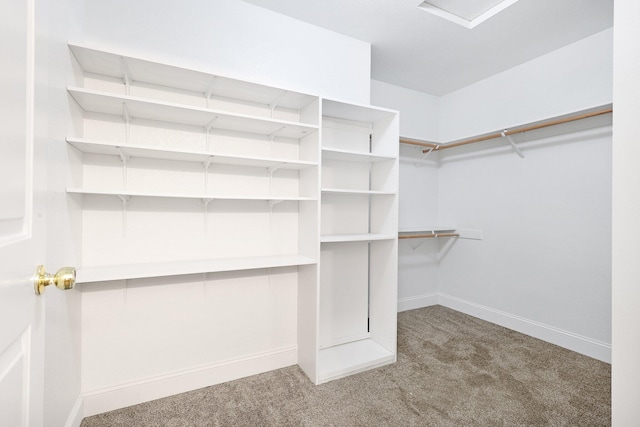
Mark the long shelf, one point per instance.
(427, 229)
(117, 149)
(366, 237)
(139, 70)
(158, 269)
(127, 193)
(143, 108)
(352, 156)
(341, 360)
(356, 192)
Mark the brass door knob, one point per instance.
(64, 279)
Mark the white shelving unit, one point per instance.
(355, 308)
(182, 172)
(179, 166)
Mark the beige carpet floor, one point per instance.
(452, 370)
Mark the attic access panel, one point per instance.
(467, 13)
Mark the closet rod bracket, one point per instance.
(513, 144)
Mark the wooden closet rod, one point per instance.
(432, 146)
(427, 236)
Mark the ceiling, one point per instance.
(419, 50)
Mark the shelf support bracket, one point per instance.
(206, 165)
(207, 131)
(273, 104)
(205, 209)
(209, 90)
(127, 121)
(426, 154)
(513, 144)
(275, 133)
(271, 170)
(126, 75)
(125, 159)
(125, 200)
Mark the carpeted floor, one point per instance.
(452, 370)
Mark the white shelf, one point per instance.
(143, 108)
(158, 269)
(352, 156)
(357, 192)
(367, 237)
(183, 196)
(346, 359)
(116, 149)
(426, 229)
(140, 70)
(358, 113)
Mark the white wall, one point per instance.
(237, 39)
(63, 400)
(556, 288)
(418, 262)
(543, 266)
(573, 78)
(626, 211)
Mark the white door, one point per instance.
(22, 220)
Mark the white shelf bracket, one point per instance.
(271, 170)
(274, 202)
(207, 131)
(513, 144)
(127, 121)
(273, 104)
(125, 200)
(127, 79)
(425, 155)
(209, 90)
(205, 210)
(125, 159)
(272, 135)
(206, 165)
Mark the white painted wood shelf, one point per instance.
(147, 152)
(347, 192)
(90, 274)
(353, 357)
(353, 156)
(427, 229)
(170, 112)
(128, 68)
(364, 237)
(201, 196)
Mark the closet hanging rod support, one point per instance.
(425, 155)
(513, 144)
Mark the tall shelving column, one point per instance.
(355, 304)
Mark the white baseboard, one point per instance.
(76, 414)
(418, 301)
(133, 393)
(578, 343)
